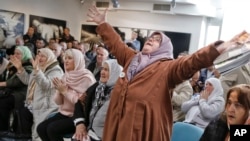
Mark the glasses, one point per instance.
(155, 38)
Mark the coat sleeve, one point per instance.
(211, 110)
(45, 81)
(115, 45)
(185, 67)
(16, 81)
(189, 104)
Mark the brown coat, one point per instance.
(141, 110)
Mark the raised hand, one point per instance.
(17, 63)
(234, 43)
(60, 86)
(35, 63)
(95, 15)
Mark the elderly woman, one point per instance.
(39, 101)
(92, 117)
(205, 107)
(236, 113)
(76, 80)
(12, 84)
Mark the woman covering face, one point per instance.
(200, 110)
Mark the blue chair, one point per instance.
(186, 132)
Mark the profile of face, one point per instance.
(152, 44)
(235, 112)
(104, 73)
(209, 87)
(101, 55)
(69, 63)
(18, 54)
(42, 59)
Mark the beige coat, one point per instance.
(141, 110)
(182, 93)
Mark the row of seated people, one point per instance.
(42, 99)
(34, 77)
(215, 91)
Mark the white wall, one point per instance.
(75, 15)
(236, 18)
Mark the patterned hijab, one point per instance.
(80, 78)
(114, 71)
(141, 61)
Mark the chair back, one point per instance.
(186, 132)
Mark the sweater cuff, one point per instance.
(79, 121)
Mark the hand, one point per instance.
(83, 97)
(35, 63)
(235, 42)
(81, 132)
(204, 94)
(17, 63)
(60, 85)
(95, 15)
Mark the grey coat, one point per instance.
(43, 103)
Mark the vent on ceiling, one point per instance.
(101, 4)
(162, 7)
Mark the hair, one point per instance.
(68, 53)
(104, 49)
(243, 91)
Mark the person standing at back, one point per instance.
(140, 107)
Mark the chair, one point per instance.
(186, 132)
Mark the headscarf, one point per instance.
(114, 71)
(80, 78)
(26, 53)
(217, 91)
(141, 61)
(51, 58)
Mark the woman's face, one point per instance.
(42, 59)
(236, 113)
(18, 54)
(209, 87)
(152, 44)
(104, 73)
(69, 63)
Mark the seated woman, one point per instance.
(91, 119)
(182, 92)
(39, 102)
(236, 113)
(10, 82)
(73, 85)
(203, 108)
